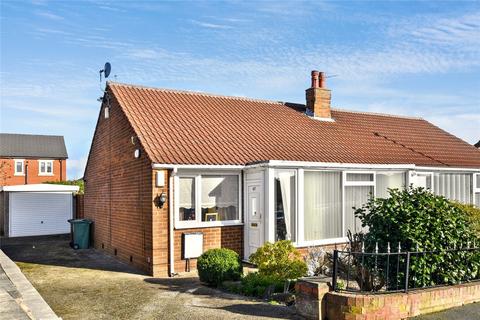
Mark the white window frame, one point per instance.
(345, 183)
(18, 173)
(414, 175)
(198, 223)
(475, 187)
(40, 173)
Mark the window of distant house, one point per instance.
(476, 189)
(205, 200)
(45, 167)
(19, 167)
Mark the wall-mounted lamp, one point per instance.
(160, 200)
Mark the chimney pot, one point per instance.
(315, 79)
(322, 80)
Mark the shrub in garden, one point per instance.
(217, 265)
(256, 284)
(473, 215)
(417, 218)
(280, 260)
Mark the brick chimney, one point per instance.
(318, 97)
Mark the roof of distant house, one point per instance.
(32, 146)
(181, 127)
(477, 145)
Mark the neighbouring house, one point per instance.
(32, 159)
(173, 173)
(27, 206)
(477, 145)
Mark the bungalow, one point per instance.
(173, 173)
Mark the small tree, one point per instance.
(416, 218)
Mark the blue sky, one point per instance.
(409, 58)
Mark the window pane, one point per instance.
(19, 167)
(477, 199)
(359, 176)
(454, 186)
(187, 199)
(284, 194)
(323, 205)
(219, 198)
(49, 167)
(355, 196)
(423, 180)
(42, 167)
(389, 180)
(477, 178)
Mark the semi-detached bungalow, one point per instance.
(173, 173)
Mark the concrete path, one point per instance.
(18, 298)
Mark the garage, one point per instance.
(36, 210)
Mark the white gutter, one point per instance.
(170, 223)
(447, 169)
(195, 166)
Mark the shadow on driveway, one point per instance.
(56, 251)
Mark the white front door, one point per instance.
(255, 217)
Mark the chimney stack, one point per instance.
(318, 97)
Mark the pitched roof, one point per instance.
(32, 146)
(179, 127)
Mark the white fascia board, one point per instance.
(196, 166)
(306, 164)
(46, 187)
(430, 169)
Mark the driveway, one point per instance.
(467, 312)
(88, 284)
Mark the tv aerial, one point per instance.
(106, 71)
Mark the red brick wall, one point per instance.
(160, 229)
(8, 177)
(79, 207)
(216, 237)
(118, 191)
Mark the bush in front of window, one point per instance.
(217, 265)
(473, 215)
(280, 260)
(420, 221)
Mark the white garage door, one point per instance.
(39, 213)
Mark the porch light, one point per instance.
(160, 200)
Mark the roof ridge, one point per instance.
(199, 93)
(378, 114)
(31, 135)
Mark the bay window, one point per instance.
(476, 189)
(388, 180)
(207, 200)
(322, 205)
(454, 186)
(358, 188)
(285, 205)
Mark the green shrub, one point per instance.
(280, 260)
(473, 215)
(256, 284)
(417, 218)
(217, 265)
(79, 182)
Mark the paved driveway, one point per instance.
(467, 312)
(87, 284)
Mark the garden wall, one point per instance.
(314, 301)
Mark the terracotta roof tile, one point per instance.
(180, 127)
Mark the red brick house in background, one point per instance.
(32, 159)
(173, 173)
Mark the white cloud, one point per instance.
(76, 167)
(49, 15)
(210, 25)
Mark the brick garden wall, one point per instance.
(118, 191)
(315, 302)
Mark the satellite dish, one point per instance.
(107, 69)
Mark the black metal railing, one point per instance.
(401, 271)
